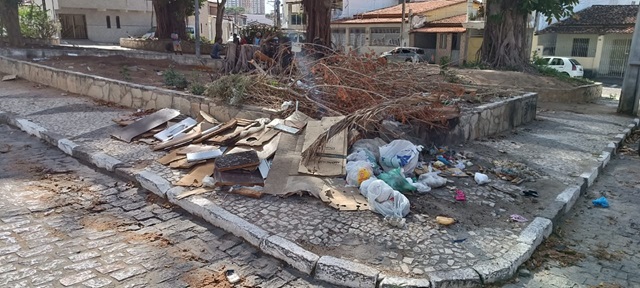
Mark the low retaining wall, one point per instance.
(160, 45)
(31, 41)
(125, 93)
(478, 122)
(579, 95)
(180, 59)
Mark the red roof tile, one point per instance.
(439, 30)
(415, 7)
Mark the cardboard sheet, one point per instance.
(194, 178)
(238, 177)
(324, 166)
(344, 199)
(258, 140)
(336, 146)
(170, 157)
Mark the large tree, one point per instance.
(318, 14)
(505, 43)
(171, 16)
(11, 21)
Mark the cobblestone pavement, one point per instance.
(548, 145)
(62, 224)
(609, 239)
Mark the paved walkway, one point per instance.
(62, 224)
(560, 145)
(597, 246)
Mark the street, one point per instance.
(595, 247)
(62, 224)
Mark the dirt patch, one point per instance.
(153, 238)
(630, 145)
(139, 71)
(607, 285)
(602, 254)
(203, 278)
(102, 222)
(510, 79)
(554, 249)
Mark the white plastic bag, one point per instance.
(357, 172)
(361, 154)
(400, 153)
(432, 180)
(481, 178)
(422, 188)
(384, 200)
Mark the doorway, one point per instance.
(73, 26)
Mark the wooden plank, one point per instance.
(247, 192)
(184, 163)
(196, 191)
(145, 124)
(194, 178)
(170, 157)
(238, 177)
(195, 148)
(181, 139)
(237, 161)
(260, 139)
(213, 132)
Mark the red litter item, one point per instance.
(460, 196)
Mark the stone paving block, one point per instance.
(554, 212)
(84, 256)
(626, 132)
(569, 196)
(347, 273)
(590, 176)
(29, 127)
(539, 229)
(97, 282)
(604, 158)
(77, 278)
(395, 282)
(221, 218)
(290, 252)
(127, 272)
(67, 146)
(463, 278)
(153, 182)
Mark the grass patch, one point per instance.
(231, 88)
(174, 78)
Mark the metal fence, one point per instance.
(615, 56)
(385, 37)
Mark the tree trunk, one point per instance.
(505, 35)
(11, 21)
(219, 18)
(170, 17)
(318, 14)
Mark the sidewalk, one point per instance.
(561, 146)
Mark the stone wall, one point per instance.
(481, 121)
(124, 93)
(160, 45)
(579, 95)
(147, 55)
(31, 41)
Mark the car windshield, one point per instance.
(574, 62)
(420, 51)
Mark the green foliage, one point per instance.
(234, 10)
(231, 88)
(197, 89)
(249, 32)
(35, 23)
(475, 65)
(174, 78)
(124, 72)
(191, 8)
(553, 9)
(444, 62)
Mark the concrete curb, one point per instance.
(326, 268)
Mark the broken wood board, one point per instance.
(237, 161)
(206, 155)
(238, 177)
(268, 149)
(184, 163)
(336, 146)
(323, 166)
(174, 130)
(10, 77)
(344, 198)
(195, 148)
(170, 157)
(195, 176)
(259, 139)
(244, 122)
(145, 124)
(208, 117)
(247, 192)
(180, 139)
(215, 130)
(197, 191)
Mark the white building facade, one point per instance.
(102, 21)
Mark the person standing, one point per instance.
(177, 45)
(257, 39)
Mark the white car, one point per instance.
(566, 65)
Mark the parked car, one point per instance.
(405, 54)
(566, 65)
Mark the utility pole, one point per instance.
(404, 4)
(630, 95)
(197, 27)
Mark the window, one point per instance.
(357, 37)
(298, 19)
(338, 37)
(580, 47)
(200, 28)
(574, 62)
(118, 22)
(109, 22)
(557, 62)
(385, 36)
(443, 41)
